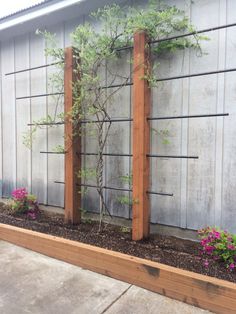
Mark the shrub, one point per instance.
(218, 245)
(24, 203)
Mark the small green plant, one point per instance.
(218, 245)
(127, 179)
(164, 135)
(124, 229)
(58, 149)
(125, 200)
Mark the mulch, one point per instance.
(168, 250)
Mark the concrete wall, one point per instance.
(204, 189)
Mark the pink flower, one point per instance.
(231, 247)
(209, 249)
(206, 263)
(19, 194)
(231, 266)
(217, 235)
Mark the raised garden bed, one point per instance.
(145, 270)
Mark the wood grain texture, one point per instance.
(72, 146)
(141, 137)
(205, 292)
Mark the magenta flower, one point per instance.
(231, 247)
(209, 249)
(231, 266)
(217, 235)
(206, 263)
(19, 194)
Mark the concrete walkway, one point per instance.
(33, 283)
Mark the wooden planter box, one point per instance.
(206, 292)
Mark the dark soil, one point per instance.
(164, 249)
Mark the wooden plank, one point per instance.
(141, 137)
(192, 288)
(72, 146)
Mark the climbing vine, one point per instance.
(97, 52)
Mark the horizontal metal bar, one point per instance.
(112, 86)
(130, 119)
(42, 152)
(53, 123)
(34, 68)
(124, 48)
(118, 189)
(51, 205)
(171, 156)
(181, 35)
(104, 187)
(189, 116)
(40, 95)
(160, 193)
(195, 75)
(105, 154)
(117, 85)
(111, 120)
(193, 33)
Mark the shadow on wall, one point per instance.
(6, 188)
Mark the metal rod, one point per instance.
(40, 95)
(105, 154)
(118, 189)
(182, 35)
(130, 119)
(195, 74)
(53, 123)
(111, 120)
(104, 187)
(112, 86)
(50, 205)
(42, 152)
(117, 85)
(172, 156)
(193, 33)
(160, 193)
(34, 68)
(189, 116)
(124, 48)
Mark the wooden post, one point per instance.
(141, 137)
(72, 146)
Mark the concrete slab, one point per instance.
(33, 283)
(140, 301)
(36, 284)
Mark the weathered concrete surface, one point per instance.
(33, 283)
(140, 301)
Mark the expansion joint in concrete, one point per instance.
(117, 299)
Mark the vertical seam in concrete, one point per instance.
(15, 113)
(223, 123)
(184, 140)
(30, 111)
(47, 132)
(130, 135)
(219, 122)
(1, 127)
(117, 299)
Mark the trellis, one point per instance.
(141, 132)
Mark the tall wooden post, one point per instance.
(141, 137)
(72, 145)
